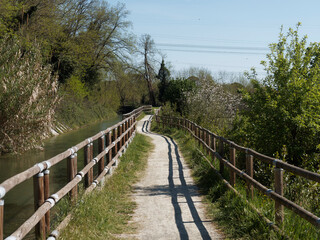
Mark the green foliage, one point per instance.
(282, 115)
(77, 88)
(176, 93)
(28, 95)
(77, 37)
(164, 77)
(8, 16)
(75, 110)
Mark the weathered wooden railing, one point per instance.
(112, 142)
(147, 108)
(210, 141)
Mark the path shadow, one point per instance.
(187, 191)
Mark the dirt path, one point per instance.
(169, 205)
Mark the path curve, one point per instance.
(168, 203)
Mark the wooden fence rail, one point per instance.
(112, 142)
(208, 140)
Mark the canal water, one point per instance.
(19, 201)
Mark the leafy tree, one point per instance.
(282, 114)
(8, 16)
(164, 77)
(81, 38)
(177, 91)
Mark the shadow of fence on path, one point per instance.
(175, 191)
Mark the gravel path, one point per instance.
(169, 205)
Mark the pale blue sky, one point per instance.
(229, 35)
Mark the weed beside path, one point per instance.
(104, 214)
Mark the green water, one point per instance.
(18, 205)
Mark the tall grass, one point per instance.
(105, 214)
(28, 96)
(233, 214)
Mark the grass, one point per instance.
(232, 213)
(143, 114)
(105, 214)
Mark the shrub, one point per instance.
(28, 94)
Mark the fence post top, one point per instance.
(48, 164)
(2, 192)
(51, 201)
(41, 166)
(55, 197)
(71, 151)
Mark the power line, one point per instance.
(212, 51)
(211, 46)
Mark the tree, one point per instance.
(164, 77)
(96, 37)
(177, 91)
(211, 106)
(282, 114)
(148, 50)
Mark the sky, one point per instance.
(220, 36)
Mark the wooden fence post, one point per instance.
(91, 169)
(278, 182)
(126, 128)
(233, 162)
(123, 139)
(249, 170)
(213, 147)
(38, 192)
(101, 147)
(72, 171)
(85, 162)
(134, 120)
(131, 123)
(119, 134)
(129, 126)
(115, 147)
(221, 153)
(46, 196)
(108, 142)
(208, 141)
(1, 218)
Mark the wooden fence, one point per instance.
(112, 142)
(217, 147)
